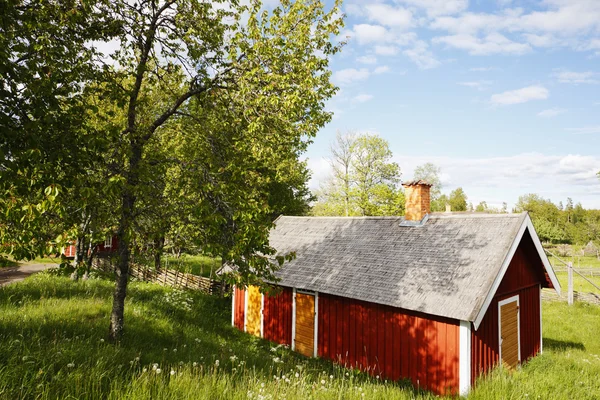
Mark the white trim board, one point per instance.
(294, 319)
(316, 324)
(262, 315)
(245, 309)
(500, 304)
(233, 306)
(464, 361)
(526, 225)
(541, 336)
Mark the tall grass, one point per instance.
(179, 345)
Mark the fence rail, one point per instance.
(172, 278)
(551, 295)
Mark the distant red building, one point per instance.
(110, 246)
(436, 298)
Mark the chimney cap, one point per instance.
(418, 182)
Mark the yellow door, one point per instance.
(305, 324)
(253, 311)
(509, 333)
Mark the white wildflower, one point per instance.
(154, 367)
(71, 365)
(322, 381)
(158, 370)
(172, 372)
(216, 363)
(297, 375)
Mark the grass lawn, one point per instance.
(197, 265)
(179, 345)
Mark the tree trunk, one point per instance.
(159, 244)
(123, 234)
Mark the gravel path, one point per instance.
(15, 274)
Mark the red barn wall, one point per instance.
(277, 317)
(390, 342)
(239, 308)
(524, 276)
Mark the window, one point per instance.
(108, 242)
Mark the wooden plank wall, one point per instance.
(239, 308)
(523, 277)
(390, 342)
(277, 316)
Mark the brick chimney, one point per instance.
(418, 202)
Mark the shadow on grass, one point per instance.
(72, 326)
(562, 345)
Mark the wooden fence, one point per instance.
(551, 295)
(172, 278)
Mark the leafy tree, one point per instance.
(482, 207)
(264, 79)
(458, 200)
(364, 180)
(430, 173)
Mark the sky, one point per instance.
(503, 95)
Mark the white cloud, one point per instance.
(362, 98)
(479, 85)
(482, 69)
(522, 95)
(498, 179)
(385, 14)
(551, 112)
(368, 59)
(381, 69)
(576, 77)
(439, 7)
(586, 130)
(383, 50)
(366, 33)
(350, 75)
(420, 55)
(494, 43)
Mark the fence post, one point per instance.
(570, 292)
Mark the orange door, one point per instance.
(253, 311)
(509, 332)
(305, 324)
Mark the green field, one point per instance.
(52, 332)
(197, 265)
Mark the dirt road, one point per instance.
(14, 274)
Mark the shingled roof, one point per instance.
(445, 267)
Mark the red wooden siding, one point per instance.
(522, 277)
(390, 342)
(239, 308)
(277, 317)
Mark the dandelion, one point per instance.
(377, 377)
(195, 364)
(71, 365)
(101, 340)
(297, 375)
(216, 363)
(165, 349)
(172, 372)
(322, 381)
(154, 367)
(145, 370)
(137, 359)
(233, 358)
(276, 360)
(330, 376)
(262, 385)
(287, 380)
(347, 374)
(174, 350)
(158, 371)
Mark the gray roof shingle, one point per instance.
(445, 267)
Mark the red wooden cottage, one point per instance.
(436, 298)
(105, 249)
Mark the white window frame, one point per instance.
(108, 242)
(500, 304)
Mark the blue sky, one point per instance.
(502, 95)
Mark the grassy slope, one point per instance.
(197, 265)
(52, 330)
